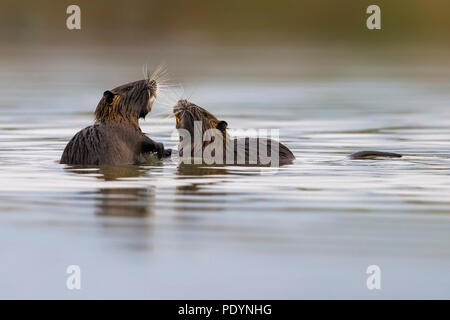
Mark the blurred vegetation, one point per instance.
(233, 20)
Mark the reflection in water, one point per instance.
(195, 194)
(121, 202)
(187, 171)
(200, 170)
(124, 202)
(110, 173)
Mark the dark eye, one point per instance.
(129, 88)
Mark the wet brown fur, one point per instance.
(186, 113)
(116, 138)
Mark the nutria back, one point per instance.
(103, 144)
(258, 151)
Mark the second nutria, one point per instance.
(187, 114)
(193, 121)
(116, 138)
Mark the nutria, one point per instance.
(116, 138)
(187, 113)
(233, 151)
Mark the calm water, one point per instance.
(161, 230)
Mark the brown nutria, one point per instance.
(187, 113)
(234, 151)
(116, 138)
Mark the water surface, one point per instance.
(161, 230)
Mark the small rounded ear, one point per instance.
(222, 125)
(109, 96)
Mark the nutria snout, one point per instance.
(186, 113)
(116, 137)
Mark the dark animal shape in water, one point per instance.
(116, 138)
(187, 113)
(235, 151)
(362, 155)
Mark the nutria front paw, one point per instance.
(159, 148)
(167, 153)
(161, 152)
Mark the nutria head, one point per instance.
(187, 113)
(193, 122)
(128, 102)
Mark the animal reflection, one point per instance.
(119, 201)
(124, 202)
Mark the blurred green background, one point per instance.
(234, 21)
(212, 39)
